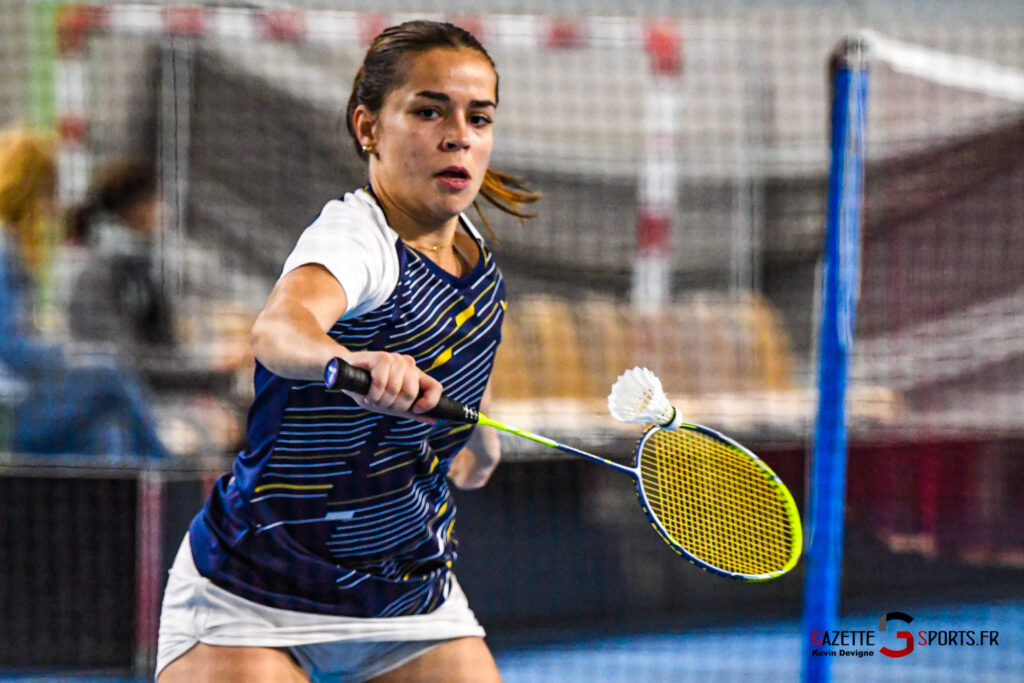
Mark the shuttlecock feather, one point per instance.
(638, 397)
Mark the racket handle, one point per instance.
(339, 375)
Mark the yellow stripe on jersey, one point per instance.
(443, 358)
(432, 325)
(446, 355)
(438, 515)
(467, 313)
(295, 487)
(275, 457)
(393, 467)
(461, 318)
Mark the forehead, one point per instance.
(453, 71)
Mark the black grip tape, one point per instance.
(358, 381)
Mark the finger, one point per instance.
(394, 394)
(405, 383)
(410, 389)
(380, 374)
(431, 391)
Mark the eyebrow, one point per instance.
(441, 97)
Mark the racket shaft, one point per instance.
(358, 381)
(543, 440)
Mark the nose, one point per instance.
(456, 136)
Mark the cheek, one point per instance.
(485, 143)
(485, 152)
(407, 150)
(483, 156)
(412, 160)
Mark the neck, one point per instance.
(426, 236)
(430, 242)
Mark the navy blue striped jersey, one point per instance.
(334, 509)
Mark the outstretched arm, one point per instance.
(290, 339)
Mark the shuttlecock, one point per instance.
(637, 397)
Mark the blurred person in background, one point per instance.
(117, 296)
(118, 304)
(327, 552)
(87, 409)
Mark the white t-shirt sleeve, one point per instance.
(353, 244)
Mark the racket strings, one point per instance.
(717, 502)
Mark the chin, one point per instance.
(453, 206)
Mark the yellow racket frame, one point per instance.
(731, 514)
(717, 504)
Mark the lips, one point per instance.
(454, 177)
(455, 173)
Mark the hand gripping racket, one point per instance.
(713, 501)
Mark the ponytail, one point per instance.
(506, 193)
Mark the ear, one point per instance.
(364, 123)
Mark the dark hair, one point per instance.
(383, 70)
(119, 189)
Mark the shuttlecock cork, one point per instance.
(637, 397)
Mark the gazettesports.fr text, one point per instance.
(940, 638)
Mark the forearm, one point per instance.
(20, 352)
(475, 463)
(27, 356)
(290, 342)
(290, 338)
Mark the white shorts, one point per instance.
(328, 647)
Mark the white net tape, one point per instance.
(956, 71)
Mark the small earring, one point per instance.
(369, 149)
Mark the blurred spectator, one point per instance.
(63, 408)
(118, 303)
(117, 296)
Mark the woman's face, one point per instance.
(433, 137)
(144, 215)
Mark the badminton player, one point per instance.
(327, 552)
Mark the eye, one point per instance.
(480, 120)
(428, 113)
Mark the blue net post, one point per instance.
(827, 485)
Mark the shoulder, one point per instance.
(352, 240)
(351, 226)
(355, 216)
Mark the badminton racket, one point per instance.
(713, 501)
